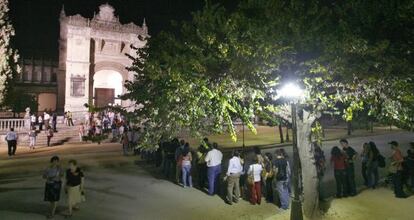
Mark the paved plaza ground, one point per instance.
(119, 187)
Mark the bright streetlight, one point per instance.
(291, 91)
(294, 93)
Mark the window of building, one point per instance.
(53, 77)
(77, 86)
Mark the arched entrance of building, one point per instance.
(107, 87)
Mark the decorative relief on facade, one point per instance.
(106, 21)
(106, 13)
(109, 47)
(77, 85)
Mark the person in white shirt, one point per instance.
(40, 122)
(256, 193)
(213, 160)
(11, 138)
(46, 119)
(233, 178)
(33, 120)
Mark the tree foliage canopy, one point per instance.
(8, 56)
(225, 64)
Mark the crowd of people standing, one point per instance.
(253, 175)
(245, 177)
(400, 169)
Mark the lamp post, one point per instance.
(294, 93)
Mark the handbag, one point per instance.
(393, 168)
(266, 175)
(250, 177)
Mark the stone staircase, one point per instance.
(63, 135)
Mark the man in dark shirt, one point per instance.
(54, 121)
(350, 170)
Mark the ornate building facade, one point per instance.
(92, 63)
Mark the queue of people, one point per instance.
(254, 175)
(400, 169)
(245, 177)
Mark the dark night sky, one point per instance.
(37, 21)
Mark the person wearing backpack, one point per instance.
(372, 165)
(282, 170)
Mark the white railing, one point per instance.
(17, 124)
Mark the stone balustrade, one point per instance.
(18, 124)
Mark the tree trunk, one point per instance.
(281, 133)
(349, 127)
(287, 133)
(372, 126)
(309, 182)
(310, 179)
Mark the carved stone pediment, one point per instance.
(106, 13)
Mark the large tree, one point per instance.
(8, 56)
(347, 55)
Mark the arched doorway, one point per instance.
(107, 87)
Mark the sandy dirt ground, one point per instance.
(379, 204)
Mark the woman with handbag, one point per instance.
(53, 176)
(186, 158)
(267, 176)
(254, 180)
(74, 186)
